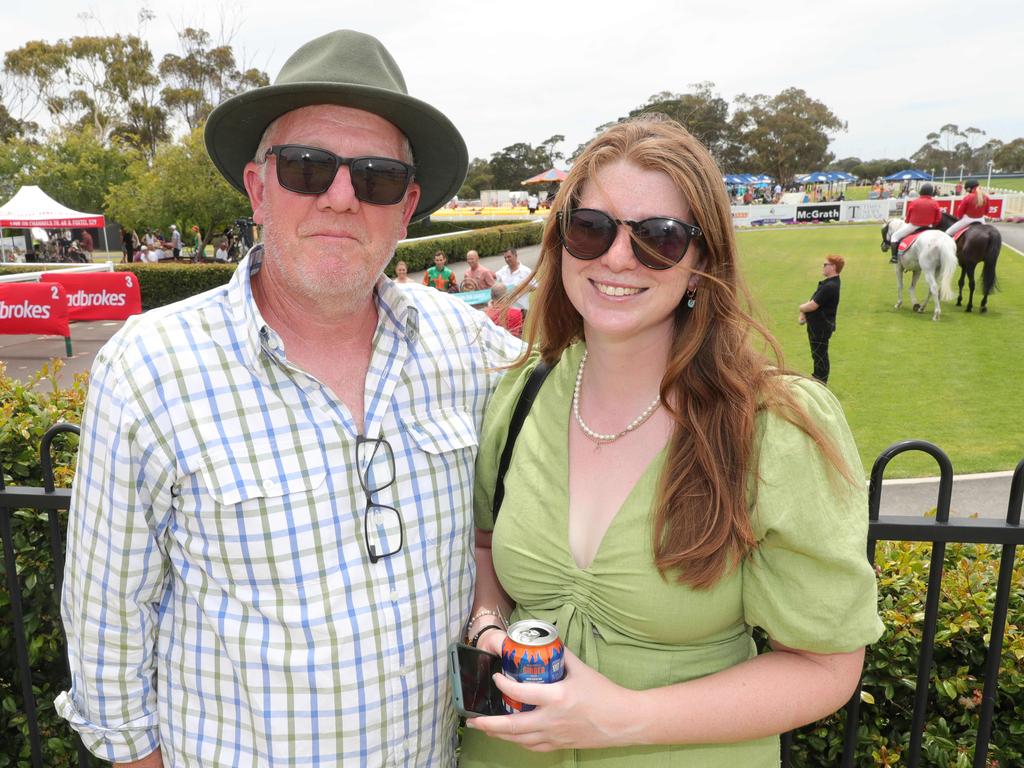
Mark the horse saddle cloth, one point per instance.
(959, 234)
(908, 241)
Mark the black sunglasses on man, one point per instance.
(311, 171)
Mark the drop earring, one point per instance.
(691, 298)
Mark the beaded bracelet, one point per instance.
(486, 612)
(478, 635)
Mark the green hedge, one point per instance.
(430, 228)
(26, 412)
(489, 241)
(166, 283)
(890, 669)
(162, 284)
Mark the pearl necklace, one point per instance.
(597, 437)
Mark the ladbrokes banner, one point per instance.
(33, 308)
(98, 295)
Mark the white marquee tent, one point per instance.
(31, 207)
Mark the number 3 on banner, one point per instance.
(54, 292)
(128, 280)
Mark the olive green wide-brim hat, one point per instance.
(350, 69)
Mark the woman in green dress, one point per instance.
(671, 488)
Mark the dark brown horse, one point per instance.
(979, 244)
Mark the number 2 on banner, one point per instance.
(54, 292)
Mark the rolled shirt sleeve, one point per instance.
(116, 572)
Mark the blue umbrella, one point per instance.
(818, 177)
(909, 175)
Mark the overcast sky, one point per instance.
(523, 71)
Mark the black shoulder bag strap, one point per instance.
(526, 398)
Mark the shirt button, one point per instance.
(394, 595)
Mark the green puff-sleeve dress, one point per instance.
(808, 582)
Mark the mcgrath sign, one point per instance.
(815, 213)
(98, 295)
(33, 308)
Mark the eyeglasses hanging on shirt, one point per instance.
(382, 524)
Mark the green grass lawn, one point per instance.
(1015, 184)
(958, 382)
(861, 192)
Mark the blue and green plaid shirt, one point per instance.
(219, 600)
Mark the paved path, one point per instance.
(985, 495)
(25, 355)
(1013, 236)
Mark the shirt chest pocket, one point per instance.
(238, 478)
(445, 433)
(265, 516)
(437, 479)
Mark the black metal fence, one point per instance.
(939, 531)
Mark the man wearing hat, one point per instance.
(270, 532)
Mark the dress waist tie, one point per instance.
(577, 631)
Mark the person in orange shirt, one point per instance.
(922, 212)
(480, 276)
(440, 276)
(971, 208)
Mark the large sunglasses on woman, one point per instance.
(311, 171)
(659, 242)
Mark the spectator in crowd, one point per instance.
(479, 275)
(531, 203)
(221, 254)
(86, 242)
(441, 276)
(268, 539)
(402, 272)
(175, 242)
(515, 274)
(129, 242)
(971, 209)
(819, 315)
(748, 196)
(656, 533)
(501, 313)
(198, 235)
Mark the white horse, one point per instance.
(934, 253)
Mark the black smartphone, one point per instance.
(473, 690)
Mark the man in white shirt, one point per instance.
(270, 543)
(514, 273)
(175, 241)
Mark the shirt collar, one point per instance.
(395, 311)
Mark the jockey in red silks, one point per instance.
(921, 212)
(971, 208)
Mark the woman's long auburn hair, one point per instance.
(715, 382)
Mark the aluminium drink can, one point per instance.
(532, 653)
